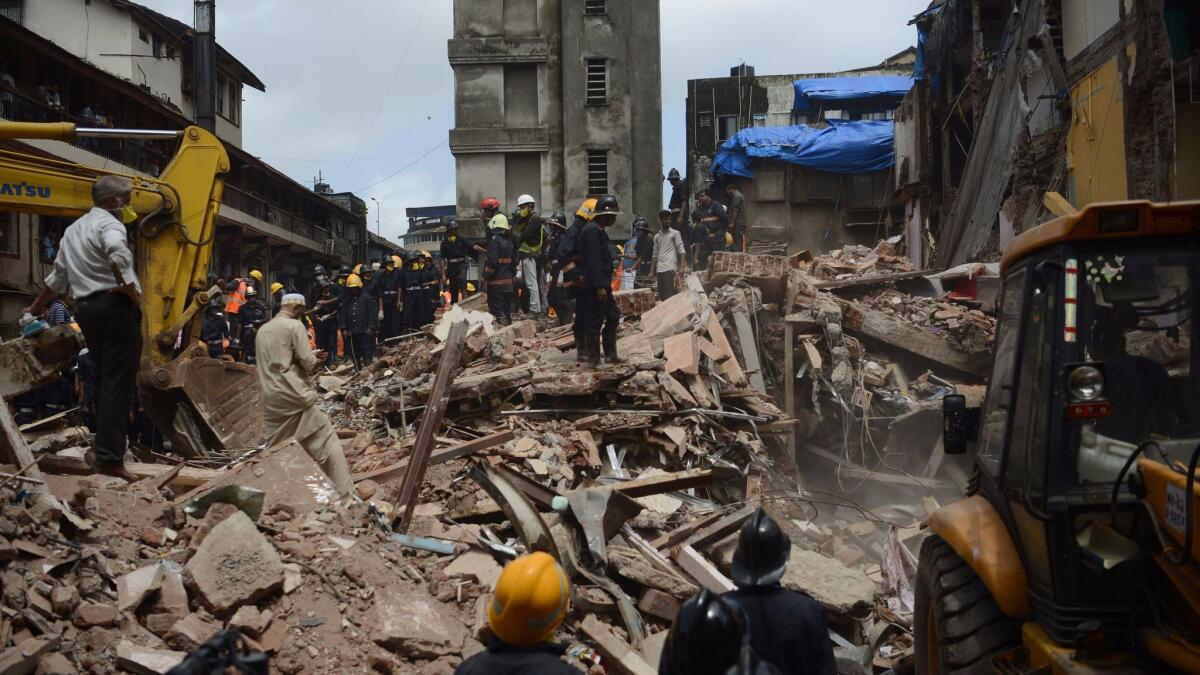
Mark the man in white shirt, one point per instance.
(95, 267)
(669, 256)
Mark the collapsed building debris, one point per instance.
(479, 443)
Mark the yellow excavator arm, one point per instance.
(176, 213)
(203, 405)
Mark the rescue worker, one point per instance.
(358, 319)
(320, 278)
(430, 291)
(276, 298)
(738, 221)
(285, 362)
(339, 281)
(96, 267)
(389, 292)
(568, 264)
(531, 600)
(410, 315)
(678, 203)
(253, 315)
(560, 298)
(710, 234)
(500, 268)
(324, 315)
(214, 329)
(596, 261)
(456, 257)
(235, 294)
(636, 254)
(669, 256)
(531, 239)
(787, 628)
(709, 637)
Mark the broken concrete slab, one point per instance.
(657, 603)
(136, 586)
(414, 625)
(285, 473)
(190, 632)
(633, 566)
(91, 614)
(476, 564)
(234, 566)
(146, 661)
(249, 621)
(23, 658)
(618, 654)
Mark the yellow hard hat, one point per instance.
(531, 599)
(586, 208)
(276, 287)
(620, 249)
(728, 239)
(357, 268)
(395, 260)
(470, 287)
(353, 281)
(426, 254)
(257, 275)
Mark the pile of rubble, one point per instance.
(754, 385)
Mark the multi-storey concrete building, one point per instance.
(557, 99)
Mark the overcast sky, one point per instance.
(368, 81)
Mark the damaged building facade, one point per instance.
(559, 100)
(1021, 116)
(789, 203)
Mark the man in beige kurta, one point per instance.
(290, 410)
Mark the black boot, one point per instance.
(581, 348)
(610, 355)
(593, 354)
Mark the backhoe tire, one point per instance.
(957, 626)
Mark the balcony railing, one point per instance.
(255, 206)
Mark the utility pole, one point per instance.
(204, 65)
(378, 208)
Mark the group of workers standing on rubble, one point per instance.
(760, 628)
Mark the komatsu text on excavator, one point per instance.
(202, 405)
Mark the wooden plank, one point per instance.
(189, 476)
(668, 482)
(700, 569)
(789, 381)
(814, 356)
(619, 656)
(710, 350)
(682, 354)
(873, 279)
(877, 325)
(454, 452)
(745, 333)
(1057, 204)
(21, 456)
(719, 529)
(730, 368)
(674, 537)
(435, 408)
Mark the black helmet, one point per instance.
(558, 219)
(706, 637)
(673, 173)
(319, 271)
(639, 223)
(215, 302)
(762, 551)
(606, 204)
(342, 273)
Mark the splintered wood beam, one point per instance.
(471, 447)
(882, 327)
(21, 455)
(668, 482)
(435, 408)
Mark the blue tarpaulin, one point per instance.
(888, 87)
(841, 147)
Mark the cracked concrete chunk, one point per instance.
(136, 586)
(415, 625)
(235, 565)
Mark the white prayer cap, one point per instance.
(293, 299)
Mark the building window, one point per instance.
(882, 115)
(597, 81)
(593, 7)
(142, 35)
(221, 95)
(12, 10)
(705, 120)
(597, 169)
(156, 45)
(726, 126)
(758, 119)
(8, 234)
(235, 101)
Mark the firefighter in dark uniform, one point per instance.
(788, 629)
(358, 318)
(456, 257)
(567, 262)
(431, 295)
(320, 278)
(559, 297)
(710, 637)
(253, 315)
(410, 294)
(324, 316)
(214, 328)
(500, 267)
(389, 290)
(596, 260)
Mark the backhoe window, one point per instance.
(1030, 419)
(1137, 317)
(994, 422)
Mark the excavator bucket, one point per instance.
(209, 408)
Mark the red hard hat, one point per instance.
(489, 203)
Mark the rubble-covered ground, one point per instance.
(809, 386)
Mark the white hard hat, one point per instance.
(525, 199)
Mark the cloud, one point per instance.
(327, 67)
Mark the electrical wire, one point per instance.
(404, 168)
(387, 93)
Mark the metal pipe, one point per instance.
(99, 132)
(598, 411)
